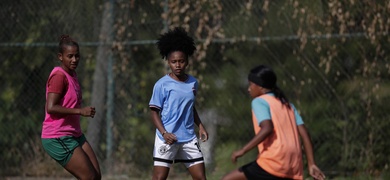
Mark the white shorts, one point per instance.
(188, 153)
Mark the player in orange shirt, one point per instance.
(277, 125)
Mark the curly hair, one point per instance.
(176, 40)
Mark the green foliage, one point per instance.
(331, 58)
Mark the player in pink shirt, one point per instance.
(278, 128)
(61, 134)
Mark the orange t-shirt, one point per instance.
(280, 154)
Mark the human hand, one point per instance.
(170, 138)
(203, 135)
(236, 155)
(88, 111)
(316, 173)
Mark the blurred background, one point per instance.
(331, 58)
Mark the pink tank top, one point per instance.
(58, 125)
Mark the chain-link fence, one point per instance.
(331, 58)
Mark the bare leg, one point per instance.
(234, 175)
(160, 172)
(92, 157)
(198, 171)
(81, 166)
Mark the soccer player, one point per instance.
(61, 134)
(278, 126)
(173, 110)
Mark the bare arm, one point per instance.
(53, 107)
(203, 135)
(314, 171)
(169, 138)
(266, 129)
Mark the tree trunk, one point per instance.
(210, 120)
(100, 79)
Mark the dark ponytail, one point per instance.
(265, 77)
(280, 95)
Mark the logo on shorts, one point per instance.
(162, 150)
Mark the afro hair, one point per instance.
(175, 40)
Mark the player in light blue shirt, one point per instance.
(175, 100)
(173, 110)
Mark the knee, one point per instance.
(91, 176)
(199, 176)
(98, 176)
(234, 175)
(159, 177)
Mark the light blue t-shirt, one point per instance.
(176, 100)
(262, 112)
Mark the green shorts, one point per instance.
(61, 149)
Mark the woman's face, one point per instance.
(178, 62)
(69, 58)
(254, 90)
